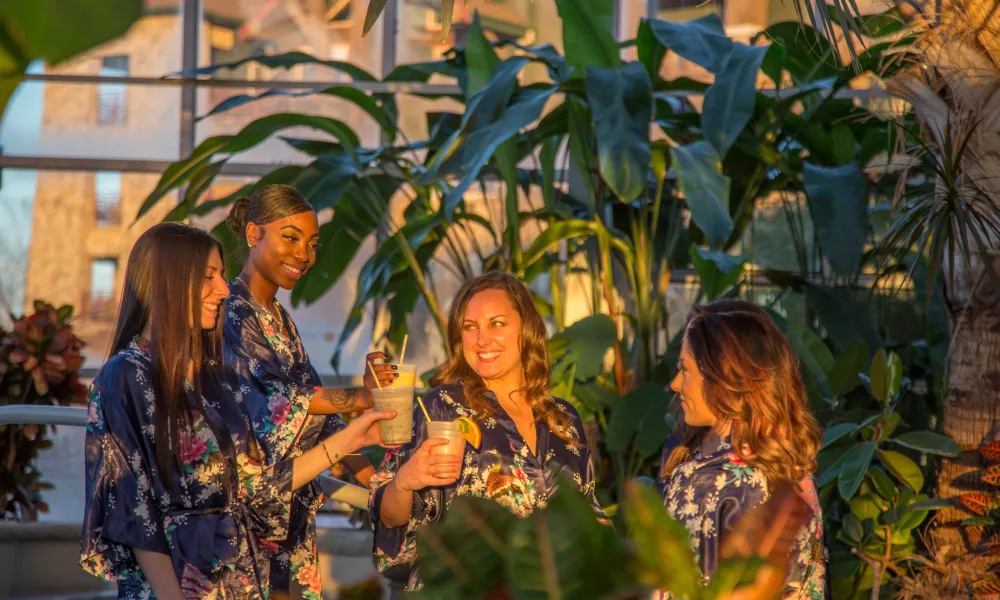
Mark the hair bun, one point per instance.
(237, 219)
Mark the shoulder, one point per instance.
(447, 399)
(723, 477)
(124, 368)
(240, 315)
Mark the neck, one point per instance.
(262, 289)
(144, 334)
(715, 435)
(506, 389)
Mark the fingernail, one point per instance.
(395, 375)
(394, 367)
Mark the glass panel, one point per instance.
(530, 22)
(86, 120)
(107, 195)
(16, 213)
(151, 47)
(327, 29)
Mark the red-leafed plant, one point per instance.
(39, 363)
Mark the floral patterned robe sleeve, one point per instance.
(396, 547)
(121, 510)
(277, 401)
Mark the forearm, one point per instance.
(396, 506)
(324, 455)
(159, 573)
(328, 401)
(360, 467)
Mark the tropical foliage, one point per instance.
(39, 361)
(772, 183)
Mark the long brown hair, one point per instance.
(163, 285)
(533, 342)
(751, 380)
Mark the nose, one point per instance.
(481, 340)
(301, 254)
(224, 289)
(675, 383)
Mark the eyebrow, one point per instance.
(490, 318)
(299, 231)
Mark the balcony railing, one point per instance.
(111, 105)
(108, 210)
(99, 307)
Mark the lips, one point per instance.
(293, 272)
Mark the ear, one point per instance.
(253, 234)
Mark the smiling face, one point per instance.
(491, 338)
(213, 291)
(689, 385)
(287, 248)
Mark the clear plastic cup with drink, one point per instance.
(448, 430)
(399, 429)
(407, 375)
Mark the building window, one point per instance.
(111, 96)
(101, 304)
(340, 52)
(108, 198)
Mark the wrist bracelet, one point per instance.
(327, 452)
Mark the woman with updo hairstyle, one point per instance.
(289, 408)
(180, 502)
(743, 427)
(497, 376)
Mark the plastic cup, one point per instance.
(407, 375)
(446, 430)
(399, 429)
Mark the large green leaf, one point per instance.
(588, 341)
(464, 555)
(643, 408)
(254, 133)
(717, 271)
(286, 61)
(729, 102)
(562, 551)
(837, 432)
(555, 233)
(651, 52)
(700, 178)
(886, 375)
(853, 468)
(587, 38)
(846, 321)
(903, 468)
(663, 545)
(838, 202)
(357, 97)
(56, 30)
(620, 101)
(480, 58)
(806, 55)
(701, 41)
(849, 364)
(928, 442)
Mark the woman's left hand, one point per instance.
(386, 373)
(363, 430)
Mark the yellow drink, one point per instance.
(407, 375)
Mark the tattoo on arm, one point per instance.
(344, 400)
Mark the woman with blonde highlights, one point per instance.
(496, 375)
(746, 427)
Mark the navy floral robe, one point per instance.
(503, 470)
(278, 382)
(213, 517)
(709, 493)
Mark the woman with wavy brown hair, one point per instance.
(745, 428)
(497, 377)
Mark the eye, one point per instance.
(468, 327)
(314, 246)
(290, 238)
(497, 324)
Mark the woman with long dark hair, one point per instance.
(179, 497)
(496, 375)
(744, 427)
(289, 408)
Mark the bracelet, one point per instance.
(327, 452)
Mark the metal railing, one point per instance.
(30, 414)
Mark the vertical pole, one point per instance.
(191, 27)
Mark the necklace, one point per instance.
(270, 308)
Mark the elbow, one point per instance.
(389, 522)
